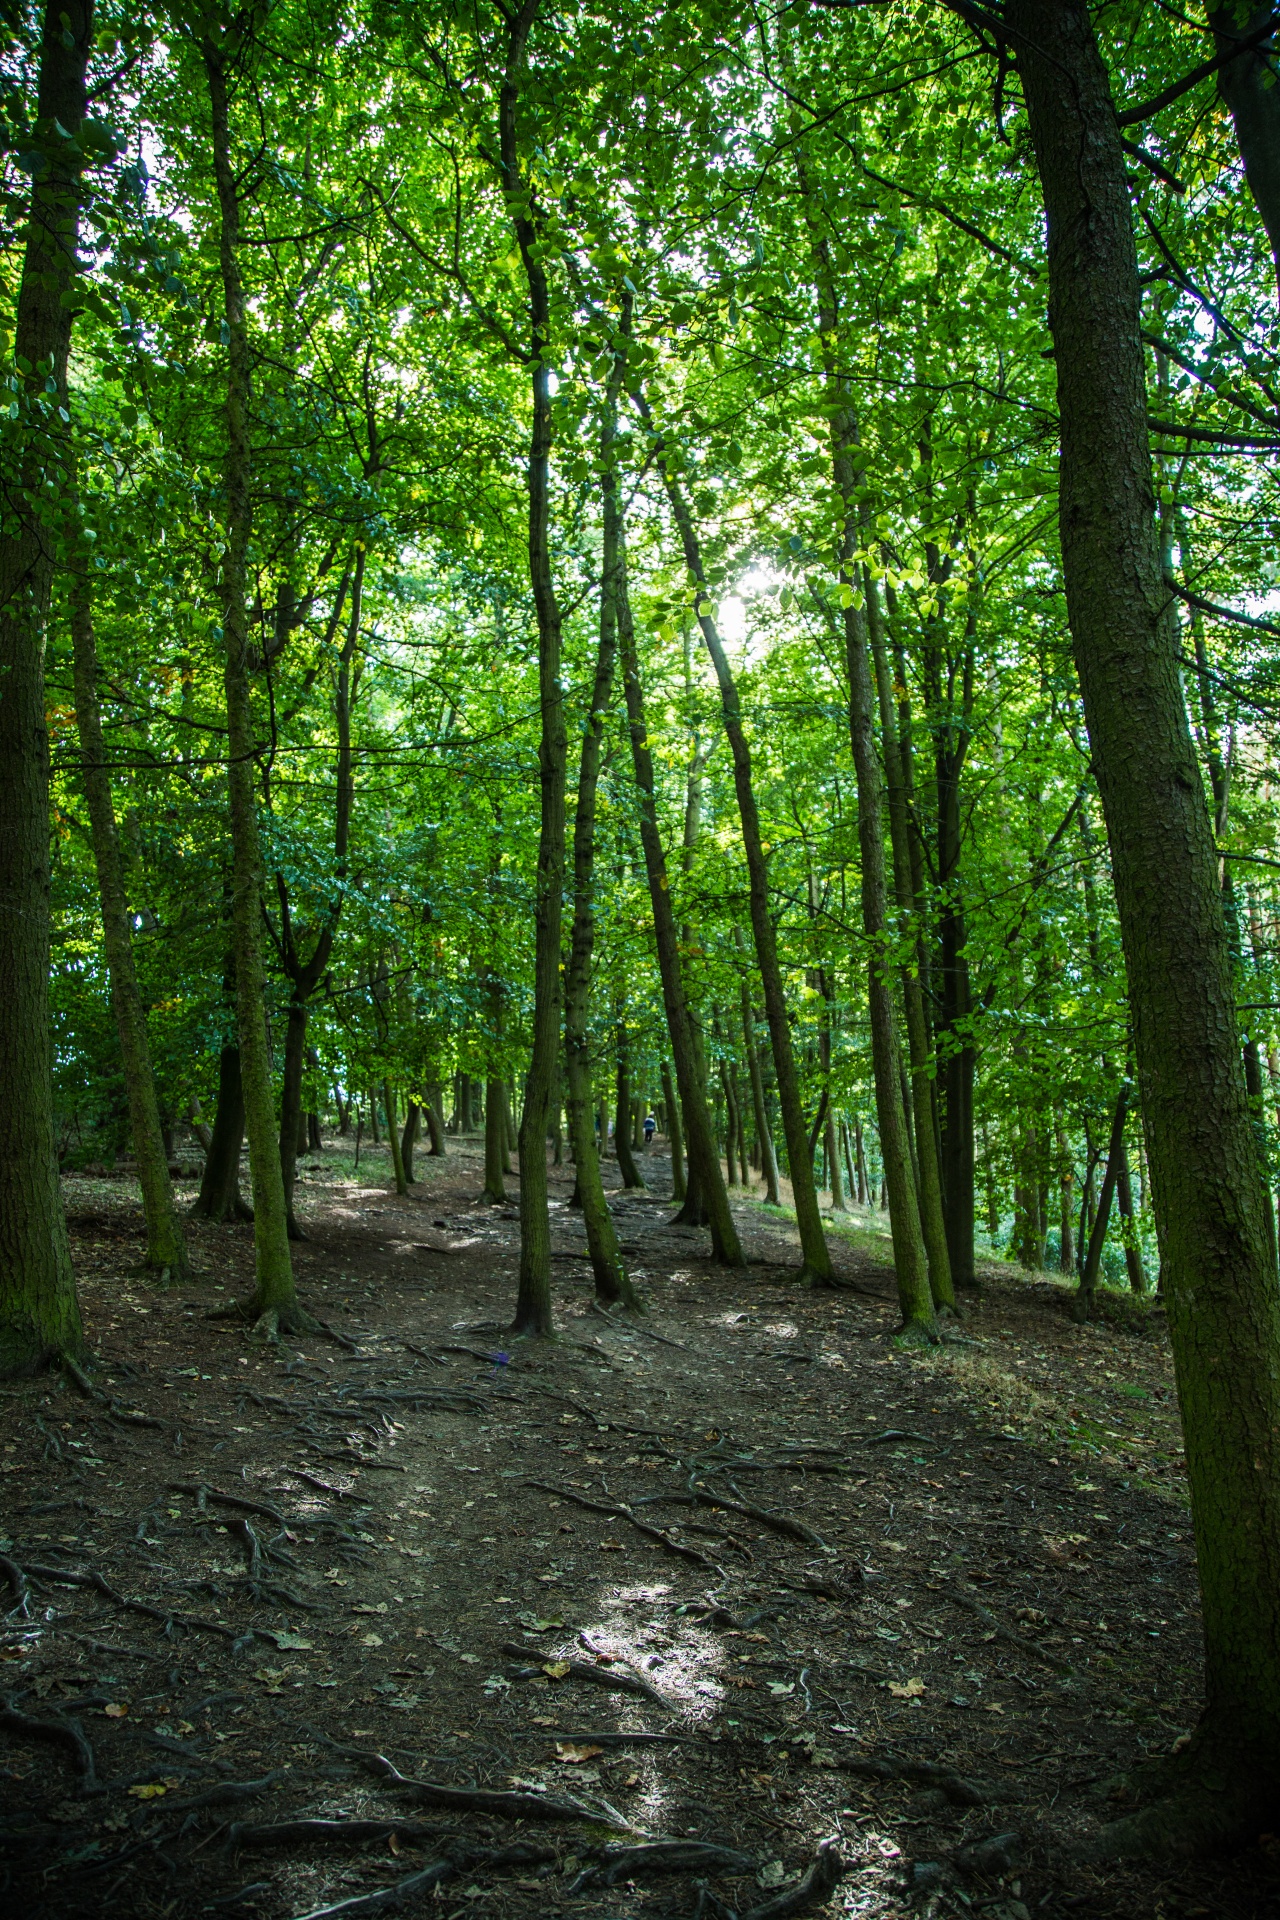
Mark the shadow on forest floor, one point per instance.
(745, 1575)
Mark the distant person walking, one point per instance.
(650, 1128)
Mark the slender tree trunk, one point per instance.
(730, 1126)
(435, 1122)
(274, 1301)
(1066, 1181)
(1129, 1226)
(1218, 1270)
(704, 1176)
(631, 1175)
(909, 1259)
(39, 1313)
(675, 1136)
(768, 1159)
(495, 1142)
(607, 1265)
(166, 1250)
(219, 1197)
(533, 1298)
(816, 1266)
(1102, 1220)
(409, 1140)
(393, 1139)
(925, 1160)
(295, 1050)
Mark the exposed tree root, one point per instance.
(413, 1885)
(64, 1733)
(1215, 1797)
(660, 1856)
(605, 1677)
(997, 1626)
(617, 1512)
(818, 1884)
(516, 1804)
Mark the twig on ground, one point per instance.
(1007, 1634)
(617, 1512)
(516, 1804)
(606, 1677)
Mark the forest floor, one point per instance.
(422, 1612)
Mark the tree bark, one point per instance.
(166, 1253)
(393, 1139)
(39, 1312)
(816, 1259)
(926, 1161)
(409, 1140)
(675, 1135)
(631, 1176)
(274, 1302)
(704, 1176)
(607, 1265)
(1218, 1271)
(1248, 88)
(495, 1143)
(219, 1197)
(1102, 1219)
(533, 1297)
(768, 1159)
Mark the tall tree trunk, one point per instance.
(393, 1139)
(704, 1176)
(675, 1134)
(1102, 1220)
(1248, 88)
(409, 1140)
(1066, 1181)
(533, 1298)
(166, 1249)
(768, 1159)
(607, 1265)
(926, 1161)
(816, 1259)
(305, 974)
(1219, 1272)
(39, 1312)
(495, 1142)
(730, 1125)
(909, 1259)
(274, 1302)
(435, 1122)
(219, 1197)
(631, 1175)
(1129, 1226)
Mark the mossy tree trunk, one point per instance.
(1219, 1270)
(675, 1133)
(166, 1253)
(39, 1313)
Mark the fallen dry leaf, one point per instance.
(116, 1711)
(151, 1792)
(556, 1669)
(572, 1755)
(911, 1690)
(611, 1546)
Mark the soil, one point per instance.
(744, 1573)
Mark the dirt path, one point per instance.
(744, 1575)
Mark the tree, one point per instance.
(1219, 1270)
